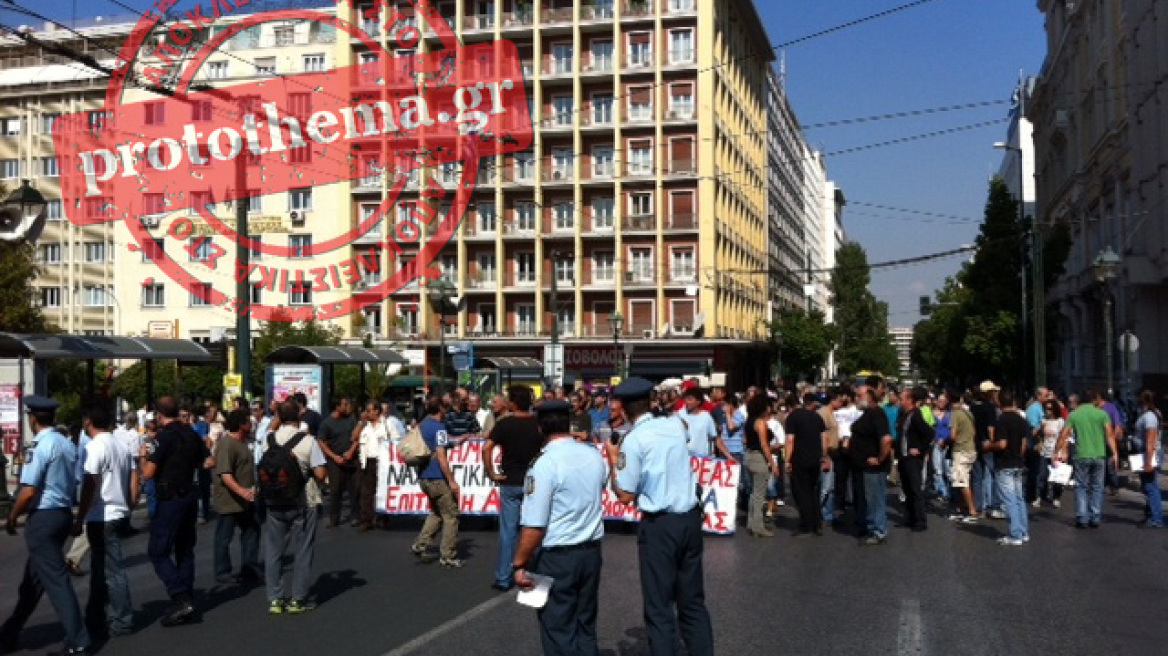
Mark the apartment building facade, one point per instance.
(1100, 115)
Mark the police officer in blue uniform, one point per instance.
(48, 493)
(562, 525)
(653, 471)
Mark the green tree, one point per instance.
(861, 321)
(805, 343)
(19, 312)
(198, 383)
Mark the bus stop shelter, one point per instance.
(331, 356)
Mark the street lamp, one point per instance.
(617, 321)
(441, 294)
(1105, 267)
(22, 216)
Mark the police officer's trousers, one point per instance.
(44, 572)
(670, 551)
(567, 624)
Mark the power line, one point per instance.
(853, 23)
(905, 114)
(912, 211)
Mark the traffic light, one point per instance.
(926, 306)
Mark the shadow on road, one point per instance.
(333, 584)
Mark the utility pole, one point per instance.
(243, 285)
(555, 306)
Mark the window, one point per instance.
(94, 296)
(158, 249)
(154, 113)
(561, 58)
(255, 200)
(486, 262)
(681, 50)
(256, 253)
(449, 266)
(9, 169)
(47, 122)
(603, 266)
(681, 5)
(285, 36)
(562, 163)
(451, 171)
(641, 157)
(300, 104)
(407, 317)
(488, 218)
(603, 212)
(297, 155)
(95, 251)
(486, 14)
(565, 269)
(641, 264)
(257, 293)
(97, 208)
(565, 216)
(525, 319)
(601, 56)
(603, 163)
(681, 100)
(200, 200)
(524, 166)
(200, 248)
(640, 49)
(602, 109)
(525, 216)
(50, 253)
(562, 111)
(265, 65)
(201, 110)
(51, 297)
(525, 268)
(367, 212)
(313, 63)
(216, 70)
(640, 103)
(53, 210)
(371, 320)
(153, 203)
(300, 293)
(49, 167)
(97, 119)
(487, 317)
(154, 295)
(641, 204)
(300, 199)
(301, 245)
(681, 265)
(9, 127)
(684, 315)
(602, 8)
(567, 320)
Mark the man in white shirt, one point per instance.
(474, 404)
(373, 435)
(703, 437)
(108, 491)
(128, 434)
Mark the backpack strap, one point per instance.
(272, 440)
(292, 443)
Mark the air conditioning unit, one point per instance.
(648, 333)
(298, 217)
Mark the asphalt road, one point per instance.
(949, 591)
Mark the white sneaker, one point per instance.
(1037, 503)
(1010, 542)
(1057, 504)
(779, 502)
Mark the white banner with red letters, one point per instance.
(399, 493)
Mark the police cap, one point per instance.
(548, 407)
(38, 403)
(633, 389)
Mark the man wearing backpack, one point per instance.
(290, 470)
(438, 483)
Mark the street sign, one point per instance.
(553, 362)
(463, 353)
(160, 330)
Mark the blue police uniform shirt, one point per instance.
(654, 464)
(434, 434)
(564, 493)
(51, 467)
(701, 429)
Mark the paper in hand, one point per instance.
(1060, 473)
(537, 596)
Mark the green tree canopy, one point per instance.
(805, 342)
(861, 320)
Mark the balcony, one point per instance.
(557, 15)
(480, 22)
(558, 67)
(602, 278)
(641, 62)
(684, 275)
(684, 167)
(473, 231)
(682, 57)
(680, 113)
(560, 121)
(558, 174)
(640, 277)
(603, 172)
(641, 169)
(482, 280)
(598, 65)
(686, 221)
(595, 119)
(639, 223)
(374, 236)
(638, 10)
(516, 20)
(595, 13)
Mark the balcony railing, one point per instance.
(557, 174)
(681, 56)
(639, 223)
(685, 221)
(683, 167)
(557, 15)
(560, 66)
(639, 169)
(599, 65)
(482, 280)
(594, 119)
(518, 18)
(683, 274)
(479, 22)
(596, 13)
(638, 8)
(640, 276)
(680, 113)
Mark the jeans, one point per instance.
(756, 464)
(109, 609)
(940, 472)
(1046, 491)
(984, 491)
(45, 573)
(511, 498)
(151, 498)
(204, 477)
(1151, 485)
(744, 480)
(249, 544)
(172, 534)
(284, 528)
(827, 495)
(1089, 474)
(876, 502)
(1012, 490)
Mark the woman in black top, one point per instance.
(758, 461)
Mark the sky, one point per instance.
(938, 54)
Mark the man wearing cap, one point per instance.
(48, 492)
(653, 471)
(563, 518)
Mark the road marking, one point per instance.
(908, 639)
(450, 625)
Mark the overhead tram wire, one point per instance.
(906, 114)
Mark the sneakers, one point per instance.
(873, 540)
(452, 563)
(996, 514)
(298, 606)
(418, 550)
(1057, 504)
(1037, 503)
(183, 613)
(1011, 542)
(276, 607)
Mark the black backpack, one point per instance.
(281, 478)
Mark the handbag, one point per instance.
(414, 450)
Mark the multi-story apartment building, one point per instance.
(785, 186)
(902, 338)
(1099, 127)
(75, 286)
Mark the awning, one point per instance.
(335, 355)
(90, 347)
(506, 363)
